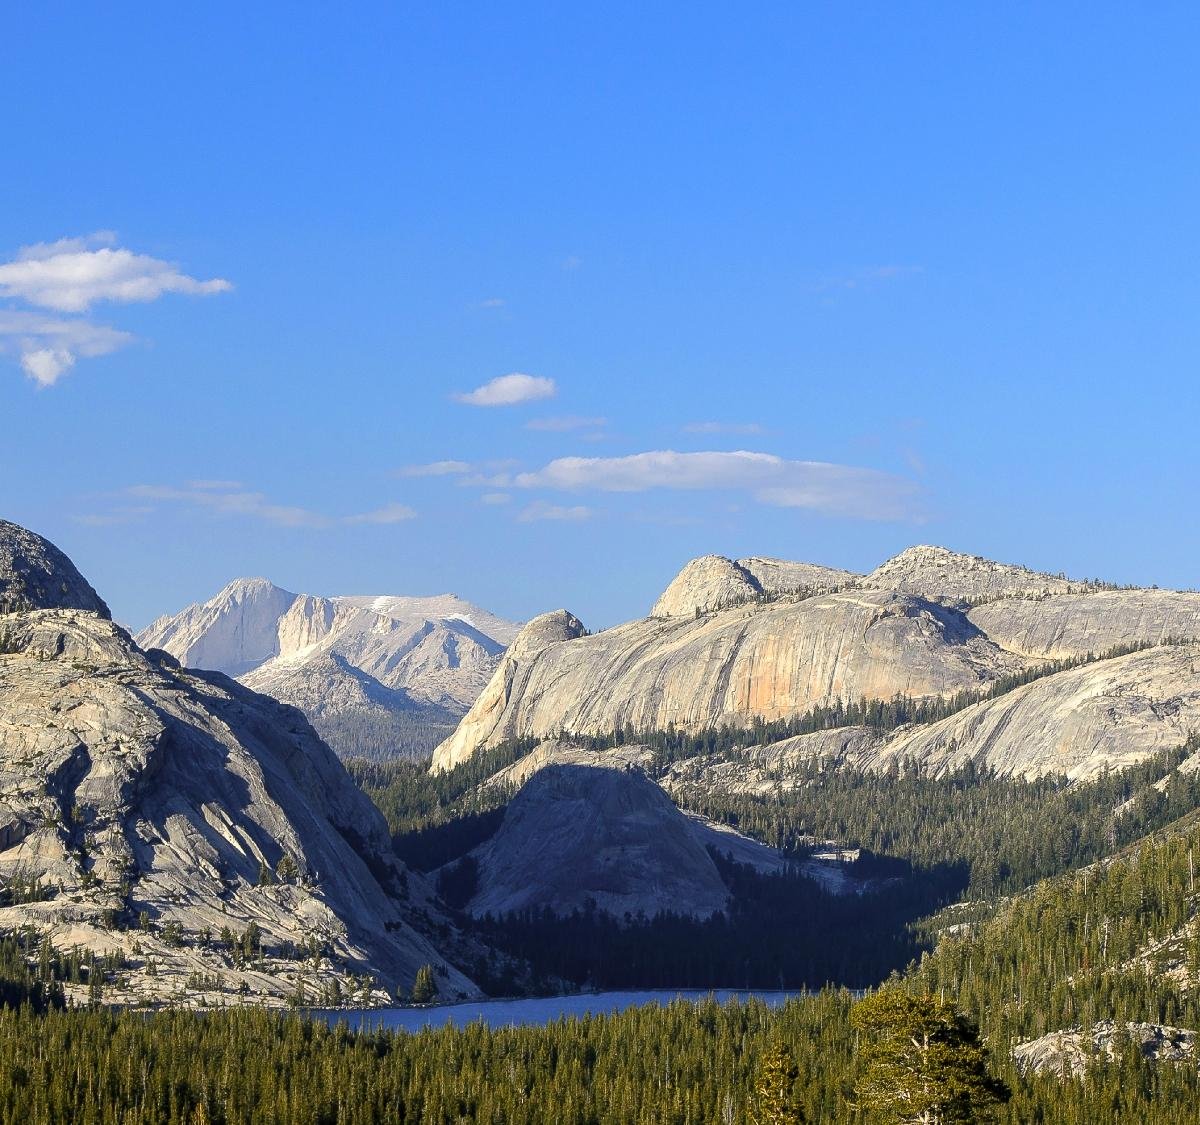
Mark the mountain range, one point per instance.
(377, 676)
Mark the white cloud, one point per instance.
(73, 274)
(493, 303)
(495, 498)
(541, 510)
(508, 390)
(389, 513)
(723, 428)
(69, 276)
(229, 498)
(230, 502)
(435, 469)
(48, 346)
(838, 489)
(565, 423)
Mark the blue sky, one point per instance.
(255, 260)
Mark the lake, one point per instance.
(534, 1010)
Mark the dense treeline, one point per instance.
(969, 830)
(678, 1064)
(383, 735)
(780, 931)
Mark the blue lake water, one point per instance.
(536, 1010)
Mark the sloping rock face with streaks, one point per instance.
(1079, 624)
(768, 661)
(928, 623)
(428, 658)
(131, 789)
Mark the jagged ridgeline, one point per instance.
(378, 677)
(197, 831)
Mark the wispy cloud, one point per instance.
(565, 423)
(495, 498)
(389, 513)
(817, 485)
(572, 262)
(863, 277)
(435, 469)
(723, 428)
(48, 346)
(493, 303)
(541, 510)
(114, 517)
(509, 390)
(70, 276)
(231, 499)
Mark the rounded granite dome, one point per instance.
(35, 574)
(705, 584)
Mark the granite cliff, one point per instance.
(145, 808)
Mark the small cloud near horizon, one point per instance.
(435, 469)
(724, 428)
(509, 390)
(543, 510)
(565, 423)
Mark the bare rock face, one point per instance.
(437, 653)
(769, 661)
(935, 572)
(233, 633)
(35, 574)
(349, 708)
(129, 787)
(1078, 624)
(489, 715)
(1069, 1054)
(704, 585)
(1106, 715)
(779, 576)
(579, 833)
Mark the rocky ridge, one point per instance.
(929, 623)
(433, 655)
(35, 574)
(145, 808)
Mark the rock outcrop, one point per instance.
(578, 833)
(1070, 1054)
(714, 582)
(927, 623)
(35, 574)
(1078, 624)
(769, 661)
(145, 808)
(429, 657)
(1078, 723)
(935, 572)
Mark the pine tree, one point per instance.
(424, 990)
(775, 1089)
(924, 1064)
